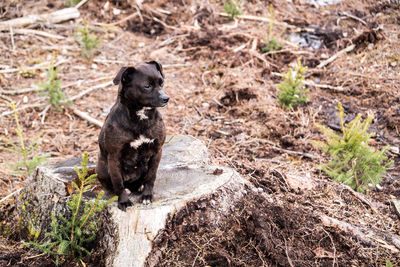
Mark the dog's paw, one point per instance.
(146, 199)
(122, 205)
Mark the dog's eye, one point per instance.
(147, 86)
(161, 82)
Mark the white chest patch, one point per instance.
(140, 141)
(142, 113)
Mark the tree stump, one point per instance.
(185, 175)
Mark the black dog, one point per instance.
(132, 136)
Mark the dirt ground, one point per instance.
(223, 91)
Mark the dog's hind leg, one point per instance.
(102, 174)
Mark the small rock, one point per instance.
(205, 105)
(25, 99)
(378, 187)
(106, 5)
(94, 66)
(338, 202)
(394, 149)
(116, 11)
(260, 190)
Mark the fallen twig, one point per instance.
(131, 16)
(357, 232)
(335, 56)
(43, 65)
(37, 105)
(18, 92)
(33, 89)
(35, 32)
(103, 85)
(85, 116)
(361, 198)
(303, 154)
(10, 195)
(310, 83)
(53, 17)
(263, 19)
(352, 17)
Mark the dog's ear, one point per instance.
(158, 66)
(123, 75)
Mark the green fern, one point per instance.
(353, 162)
(291, 92)
(69, 235)
(29, 161)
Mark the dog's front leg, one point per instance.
(147, 195)
(114, 167)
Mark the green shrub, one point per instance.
(70, 234)
(29, 161)
(352, 161)
(52, 88)
(231, 8)
(87, 40)
(291, 92)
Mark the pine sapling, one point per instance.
(291, 92)
(71, 233)
(52, 88)
(29, 161)
(231, 8)
(352, 160)
(272, 43)
(87, 40)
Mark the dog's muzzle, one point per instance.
(164, 98)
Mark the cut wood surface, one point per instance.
(184, 175)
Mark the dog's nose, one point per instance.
(164, 97)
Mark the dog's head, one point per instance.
(142, 86)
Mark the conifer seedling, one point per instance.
(291, 92)
(26, 150)
(352, 160)
(71, 232)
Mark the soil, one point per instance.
(223, 91)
